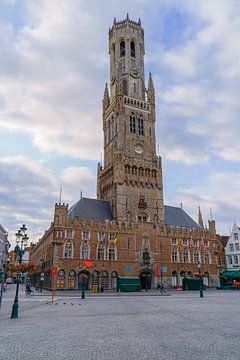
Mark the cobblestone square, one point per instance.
(126, 326)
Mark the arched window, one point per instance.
(122, 48)
(104, 279)
(196, 256)
(185, 256)
(132, 47)
(132, 124)
(140, 126)
(174, 278)
(100, 252)
(112, 252)
(61, 279)
(207, 258)
(68, 250)
(84, 251)
(174, 255)
(113, 280)
(71, 279)
(95, 277)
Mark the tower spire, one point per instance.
(106, 98)
(200, 218)
(151, 90)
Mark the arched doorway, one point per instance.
(146, 279)
(83, 280)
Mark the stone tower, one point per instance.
(131, 177)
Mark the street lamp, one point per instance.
(201, 284)
(22, 239)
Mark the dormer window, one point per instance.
(122, 48)
(132, 47)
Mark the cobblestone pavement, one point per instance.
(180, 326)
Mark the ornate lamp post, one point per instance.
(22, 239)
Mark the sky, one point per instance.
(54, 64)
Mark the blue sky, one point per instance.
(53, 67)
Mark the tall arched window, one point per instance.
(196, 257)
(132, 124)
(68, 250)
(61, 279)
(112, 252)
(72, 279)
(174, 254)
(207, 258)
(174, 278)
(84, 251)
(185, 256)
(113, 280)
(122, 48)
(100, 252)
(132, 47)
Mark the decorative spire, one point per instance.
(151, 91)
(106, 94)
(139, 21)
(200, 218)
(127, 16)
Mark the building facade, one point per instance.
(127, 231)
(232, 249)
(4, 245)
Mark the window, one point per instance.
(84, 251)
(85, 235)
(132, 124)
(134, 87)
(196, 257)
(174, 241)
(231, 247)
(185, 256)
(207, 258)
(69, 234)
(174, 255)
(140, 126)
(122, 48)
(237, 246)
(230, 260)
(71, 279)
(235, 259)
(113, 280)
(68, 250)
(195, 243)
(206, 244)
(101, 236)
(61, 279)
(100, 252)
(129, 244)
(185, 242)
(235, 236)
(132, 47)
(112, 252)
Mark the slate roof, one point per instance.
(101, 210)
(91, 209)
(175, 216)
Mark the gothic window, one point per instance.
(140, 126)
(112, 252)
(142, 204)
(196, 256)
(140, 171)
(134, 170)
(69, 234)
(134, 87)
(235, 236)
(101, 236)
(207, 258)
(146, 256)
(154, 174)
(61, 279)
(95, 278)
(132, 124)
(122, 48)
(100, 252)
(84, 251)
(185, 256)
(174, 278)
(113, 280)
(132, 46)
(68, 250)
(174, 255)
(104, 279)
(71, 279)
(85, 235)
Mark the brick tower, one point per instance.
(131, 177)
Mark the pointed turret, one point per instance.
(151, 91)
(200, 218)
(106, 98)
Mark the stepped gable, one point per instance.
(91, 209)
(175, 216)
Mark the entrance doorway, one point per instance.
(146, 280)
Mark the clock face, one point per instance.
(138, 149)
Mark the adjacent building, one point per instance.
(127, 231)
(232, 250)
(4, 245)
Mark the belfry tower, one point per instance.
(131, 177)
